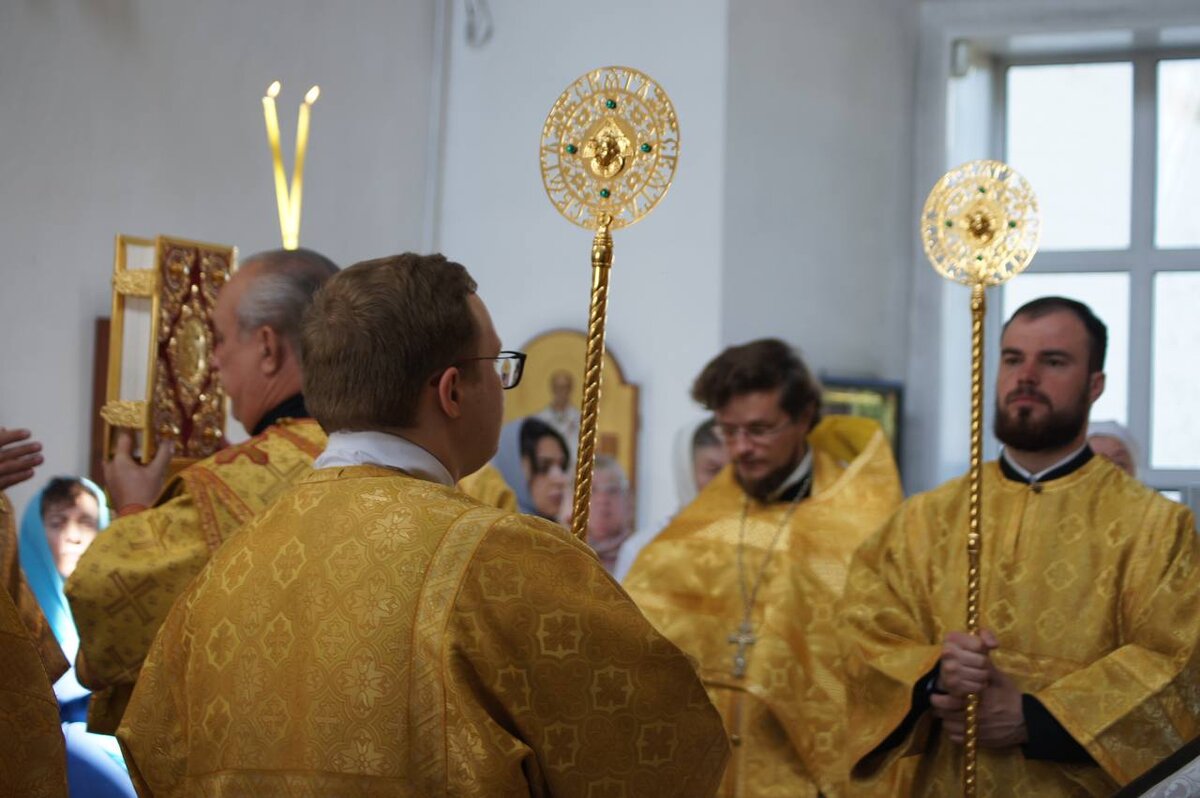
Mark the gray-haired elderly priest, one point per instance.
(377, 632)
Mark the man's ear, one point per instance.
(449, 392)
(270, 350)
(806, 416)
(1095, 385)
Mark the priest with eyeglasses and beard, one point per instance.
(1086, 662)
(747, 576)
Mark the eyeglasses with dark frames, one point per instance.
(509, 367)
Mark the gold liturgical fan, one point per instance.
(160, 374)
(980, 227)
(609, 149)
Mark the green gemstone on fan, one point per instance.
(646, 148)
(982, 190)
(978, 257)
(610, 104)
(605, 193)
(949, 223)
(572, 149)
(1012, 224)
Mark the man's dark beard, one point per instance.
(761, 489)
(1059, 427)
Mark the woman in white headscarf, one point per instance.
(1112, 441)
(698, 457)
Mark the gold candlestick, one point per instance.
(609, 149)
(980, 227)
(287, 200)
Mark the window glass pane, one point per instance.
(1070, 134)
(1178, 206)
(1175, 424)
(1107, 294)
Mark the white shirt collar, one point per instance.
(381, 448)
(801, 471)
(1029, 475)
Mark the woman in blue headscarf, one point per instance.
(59, 524)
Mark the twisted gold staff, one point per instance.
(609, 149)
(602, 255)
(980, 227)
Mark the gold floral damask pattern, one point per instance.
(1091, 586)
(12, 581)
(374, 634)
(32, 756)
(787, 714)
(33, 760)
(127, 580)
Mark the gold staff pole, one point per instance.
(980, 227)
(609, 149)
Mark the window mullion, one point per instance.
(1141, 282)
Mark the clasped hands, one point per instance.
(966, 667)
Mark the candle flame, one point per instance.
(273, 89)
(312, 95)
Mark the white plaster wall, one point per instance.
(144, 117)
(531, 264)
(937, 372)
(818, 225)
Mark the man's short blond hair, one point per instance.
(377, 332)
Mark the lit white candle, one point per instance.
(302, 123)
(281, 187)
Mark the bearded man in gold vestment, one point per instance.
(377, 632)
(129, 577)
(1087, 658)
(746, 577)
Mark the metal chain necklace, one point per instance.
(744, 636)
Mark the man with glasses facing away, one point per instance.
(746, 577)
(377, 632)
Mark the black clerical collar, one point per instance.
(292, 407)
(798, 485)
(1068, 466)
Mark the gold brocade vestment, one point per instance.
(1089, 582)
(128, 578)
(374, 634)
(33, 761)
(786, 716)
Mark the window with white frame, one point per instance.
(1111, 145)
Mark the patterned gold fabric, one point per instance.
(30, 612)
(787, 714)
(373, 634)
(128, 578)
(488, 487)
(32, 754)
(1092, 588)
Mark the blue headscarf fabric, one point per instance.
(42, 574)
(95, 766)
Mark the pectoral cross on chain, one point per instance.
(743, 638)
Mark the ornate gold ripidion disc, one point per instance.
(981, 225)
(609, 147)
